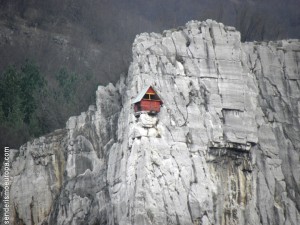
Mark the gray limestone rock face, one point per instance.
(224, 148)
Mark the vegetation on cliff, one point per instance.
(32, 104)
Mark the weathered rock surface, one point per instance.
(225, 148)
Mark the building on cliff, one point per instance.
(147, 101)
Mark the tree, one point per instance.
(31, 84)
(67, 84)
(10, 93)
(19, 92)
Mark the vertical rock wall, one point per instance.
(223, 150)
(276, 68)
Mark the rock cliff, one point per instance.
(225, 148)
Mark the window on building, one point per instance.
(150, 96)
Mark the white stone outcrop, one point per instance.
(223, 150)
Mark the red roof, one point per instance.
(147, 89)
